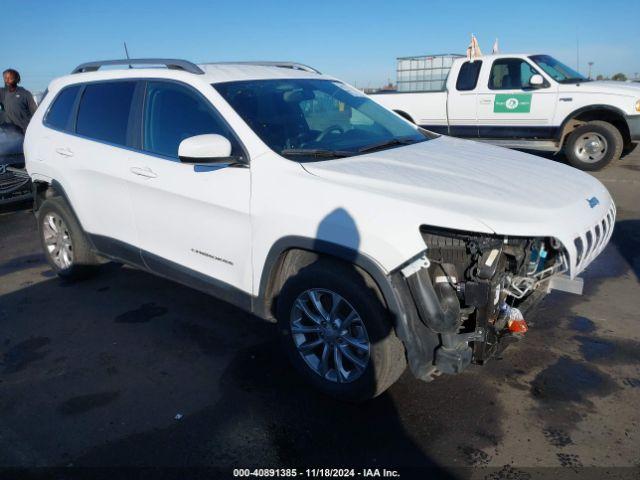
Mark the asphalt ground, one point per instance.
(125, 369)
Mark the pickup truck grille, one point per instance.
(589, 245)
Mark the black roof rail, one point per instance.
(291, 65)
(171, 63)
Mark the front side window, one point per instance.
(511, 74)
(468, 76)
(300, 118)
(59, 115)
(558, 70)
(173, 113)
(104, 109)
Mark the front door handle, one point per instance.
(143, 172)
(65, 152)
(485, 101)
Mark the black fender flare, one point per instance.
(420, 342)
(323, 247)
(59, 191)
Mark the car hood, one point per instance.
(510, 192)
(605, 86)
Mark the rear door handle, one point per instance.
(143, 172)
(485, 102)
(65, 152)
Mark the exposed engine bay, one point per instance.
(471, 289)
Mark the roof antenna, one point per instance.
(126, 51)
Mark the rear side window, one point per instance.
(468, 76)
(104, 111)
(173, 113)
(59, 115)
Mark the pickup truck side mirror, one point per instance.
(206, 149)
(536, 81)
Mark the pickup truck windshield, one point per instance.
(314, 119)
(558, 70)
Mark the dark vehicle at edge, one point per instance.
(15, 184)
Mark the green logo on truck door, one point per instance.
(506, 103)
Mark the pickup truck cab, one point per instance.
(373, 243)
(531, 102)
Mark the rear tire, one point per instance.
(368, 372)
(65, 245)
(594, 145)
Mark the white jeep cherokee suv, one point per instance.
(374, 243)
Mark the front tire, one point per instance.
(64, 243)
(336, 331)
(594, 145)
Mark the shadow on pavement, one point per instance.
(626, 238)
(83, 387)
(15, 206)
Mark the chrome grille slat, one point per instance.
(592, 248)
(12, 183)
(612, 221)
(18, 172)
(583, 240)
(601, 237)
(13, 179)
(601, 244)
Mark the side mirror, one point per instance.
(536, 81)
(208, 148)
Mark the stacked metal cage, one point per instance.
(425, 73)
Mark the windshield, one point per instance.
(558, 70)
(308, 119)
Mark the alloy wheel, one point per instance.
(57, 240)
(330, 335)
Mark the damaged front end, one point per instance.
(470, 289)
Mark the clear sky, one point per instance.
(356, 41)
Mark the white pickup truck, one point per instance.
(530, 102)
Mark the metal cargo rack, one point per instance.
(424, 73)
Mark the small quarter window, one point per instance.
(59, 115)
(468, 76)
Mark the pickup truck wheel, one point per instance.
(63, 241)
(337, 333)
(594, 145)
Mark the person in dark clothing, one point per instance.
(18, 104)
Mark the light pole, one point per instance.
(590, 65)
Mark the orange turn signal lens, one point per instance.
(518, 326)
